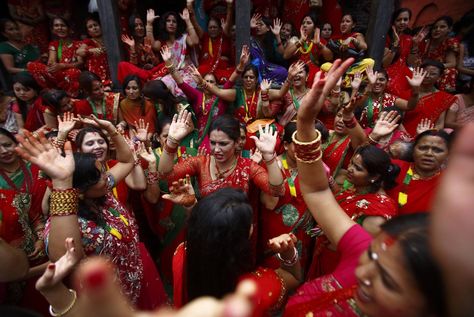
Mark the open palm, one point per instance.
(266, 141)
(181, 125)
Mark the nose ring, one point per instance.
(367, 282)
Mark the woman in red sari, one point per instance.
(215, 53)
(442, 48)
(98, 223)
(432, 104)
(62, 70)
(29, 109)
(22, 223)
(397, 50)
(361, 284)
(310, 47)
(418, 181)
(92, 50)
(212, 264)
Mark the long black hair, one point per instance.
(218, 247)
(378, 164)
(137, 79)
(27, 81)
(163, 34)
(52, 98)
(157, 91)
(227, 124)
(411, 232)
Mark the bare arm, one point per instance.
(461, 67)
(9, 64)
(229, 18)
(192, 18)
(451, 60)
(13, 263)
(192, 39)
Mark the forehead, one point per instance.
(347, 17)
(432, 140)
(20, 86)
(209, 76)
(403, 15)
(441, 23)
(132, 83)
(5, 139)
(307, 19)
(219, 136)
(91, 22)
(92, 136)
(431, 69)
(171, 17)
(58, 22)
(327, 26)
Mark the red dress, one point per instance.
(332, 294)
(270, 288)
(358, 207)
(310, 55)
(398, 70)
(419, 193)
(109, 106)
(97, 64)
(448, 79)
(373, 107)
(430, 106)
(215, 57)
(34, 117)
(66, 79)
(289, 215)
(337, 154)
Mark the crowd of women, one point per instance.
(306, 168)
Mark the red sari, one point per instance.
(289, 215)
(270, 287)
(34, 117)
(66, 79)
(397, 71)
(447, 81)
(215, 57)
(97, 64)
(310, 55)
(358, 207)
(109, 106)
(373, 107)
(337, 154)
(431, 106)
(420, 193)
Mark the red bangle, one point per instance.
(351, 123)
(170, 150)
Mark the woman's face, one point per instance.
(433, 74)
(430, 153)
(7, 150)
(60, 28)
(386, 288)
(97, 91)
(95, 144)
(440, 30)
(357, 174)
(213, 29)
(380, 83)
(93, 29)
(347, 24)
(300, 78)
(250, 80)
(12, 31)
(65, 105)
(171, 24)
(26, 94)
(286, 30)
(210, 79)
(164, 134)
(401, 22)
(139, 28)
(308, 25)
(222, 147)
(262, 28)
(339, 126)
(326, 31)
(132, 90)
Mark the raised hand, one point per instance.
(202, 151)
(181, 126)
(265, 84)
(128, 40)
(294, 69)
(196, 74)
(349, 108)
(94, 121)
(283, 244)
(303, 34)
(257, 17)
(167, 55)
(244, 56)
(66, 123)
(396, 37)
(182, 192)
(317, 36)
(141, 131)
(386, 124)
(185, 14)
(229, 1)
(356, 81)
(424, 125)
(371, 75)
(150, 16)
(420, 36)
(266, 140)
(224, 24)
(256, 156)
(276, 28)
(146, 153)
(419, 75)
(43, 154)
(56, 272)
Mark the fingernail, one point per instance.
(95, 279)
(51, 266)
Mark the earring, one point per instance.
(372, 181)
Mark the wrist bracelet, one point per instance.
(350, 123)
(270, 161)
(372, 141)
(172, 140)
(290, 262)
(308, 152)
(64, 312)
(170, 150)
(64, 202)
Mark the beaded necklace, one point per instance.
(305, 48)
(409, 176)
(247, 105)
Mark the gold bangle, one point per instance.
(312, 142)
(64, 202)
(64, 312)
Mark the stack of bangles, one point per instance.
(290, 262)
(170, 149)
(171, 68)
(58, 143)
(308, 152)
(265, 96)
(64, 202)
(152, 177)
(351, 123)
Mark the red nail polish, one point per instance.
(95, 279)
(51, 266)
